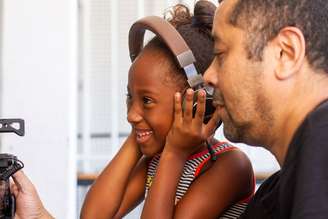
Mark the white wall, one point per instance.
(39, 59)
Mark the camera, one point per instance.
(9, 164)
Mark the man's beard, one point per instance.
(218, 99)
(251, 131)
(234, 131)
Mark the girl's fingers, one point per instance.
(177, 108)
(212, 123)
(199, 115)
(188, 103)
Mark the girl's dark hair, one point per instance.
(195, 29)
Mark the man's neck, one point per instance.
(303, 103)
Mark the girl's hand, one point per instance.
(187, 134)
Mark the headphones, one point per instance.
(182, 53)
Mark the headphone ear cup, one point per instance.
(209, 108)
(194, 103)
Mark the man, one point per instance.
(270, 72)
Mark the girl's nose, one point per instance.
(133, 115)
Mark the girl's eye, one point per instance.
(147, 100)
(128, 98)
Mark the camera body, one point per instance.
(9, 164)
(7, 201)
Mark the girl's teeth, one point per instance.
(143, 134)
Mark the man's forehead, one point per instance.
(221, 19)
(226, 7)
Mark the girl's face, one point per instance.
(150, 101)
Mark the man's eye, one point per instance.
(147, 100)
(219, 56)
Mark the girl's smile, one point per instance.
(143, 135)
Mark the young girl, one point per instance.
(155, 161)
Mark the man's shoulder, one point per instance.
(265, 201)
(318, 118)
(304, 173)
(312, 133)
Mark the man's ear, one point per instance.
(290, 52)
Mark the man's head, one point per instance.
(262, 20)
(264, 54)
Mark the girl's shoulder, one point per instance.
(218, 147)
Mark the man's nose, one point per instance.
(210, 76)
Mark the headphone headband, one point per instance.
(172, 39)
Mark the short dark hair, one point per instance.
(263, 19)
(195, 29)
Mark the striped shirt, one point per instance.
(191, 171)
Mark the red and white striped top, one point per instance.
(191, 171)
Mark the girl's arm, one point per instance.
(160, 201)
(120, 186)
(226, 182)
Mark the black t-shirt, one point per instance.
(300, 189)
